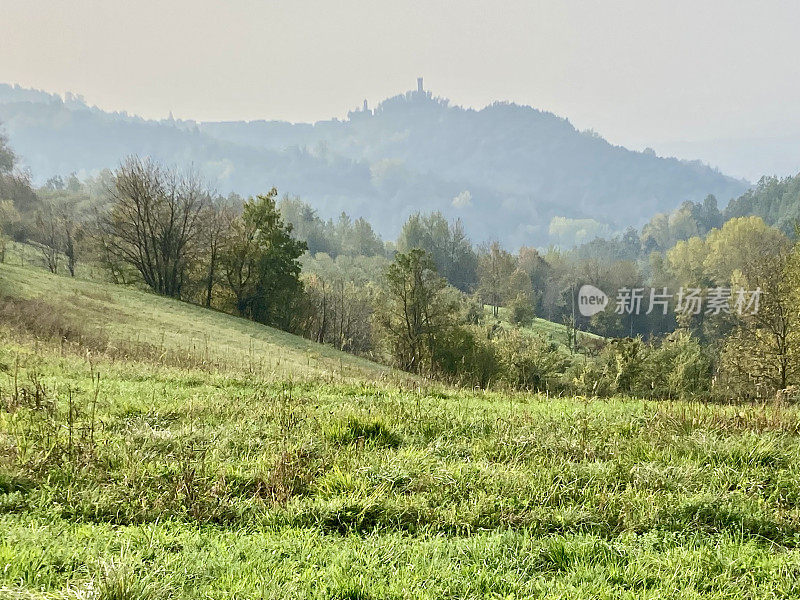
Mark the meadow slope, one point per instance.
(153, 450)
(132, 324)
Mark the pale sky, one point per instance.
(638, 72)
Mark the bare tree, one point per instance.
(154, 222)
(340, 312)
(215, 223)
(69, 222)
(70, 233)
(48, 236)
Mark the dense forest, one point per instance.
(508, 172)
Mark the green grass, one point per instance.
(555, 332)
(186, 478)
(134, 324)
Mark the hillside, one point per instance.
(130, 324)
(127, 474)
(507, 171)
(776, 200)
(194, 455)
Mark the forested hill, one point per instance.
(509, 172)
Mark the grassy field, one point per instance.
(164, 451)
(131, 324)
(555, 332)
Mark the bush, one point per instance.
(625, 361)
(467, 356)
(678, 367)
(589, 378)
(675, 368)
(530, 362)
(520, 311)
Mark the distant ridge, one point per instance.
(506, 170)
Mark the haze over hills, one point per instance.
(509, 172)
(749, 157)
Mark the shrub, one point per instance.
(678, 367)
(626, 360)
(466, 355)
(675, 368)
(589, 378)
(530, 362)
(520, 310)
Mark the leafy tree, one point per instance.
(707, 215)
(538, 271)
(738, 245)
(353, 238)
(656, 234)
(775, 200)
(261, 264)
(319, 235)
(762, 353)
(15, 188)
(521, 311)
(361, 240)
(686, 262)
(664, 230)
(414, 311)
(719, 260)
(7, 157)
(447, 244)
(495, 268)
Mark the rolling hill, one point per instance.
(163, 451)
(132, 324)
(506, 170)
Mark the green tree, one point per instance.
(538, 271)
(261, 265)
(362, 240)
(15, 187)
(414, 310)
(761, 355)
(447, 244)
(7, 157)
(495, 268)
(737, 246)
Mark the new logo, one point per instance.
(591, 300)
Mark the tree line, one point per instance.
(431, 302)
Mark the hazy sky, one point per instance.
(636, 71)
